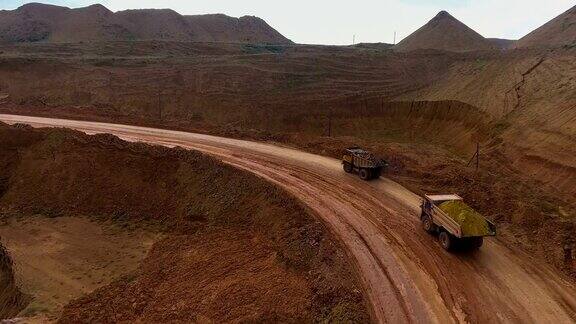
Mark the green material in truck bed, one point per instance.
(471, 222)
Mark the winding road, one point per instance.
(407, 276)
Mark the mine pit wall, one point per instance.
(187, 196)
(130, 77)
(556, 174)
(530, 94)
(12, 300)
(450, 124)
(229, 87)
(542, 145)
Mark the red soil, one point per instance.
(517, 104)
(12, 300)
(273, 244)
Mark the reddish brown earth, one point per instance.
(270, 95)
(12, 300)
(425, 110)
(444, 32)
(209, 276)
(35, 22)
(262, 254)
(406, 275)
(59, 259)
(530, 96)
(251, 99)
(212, 82)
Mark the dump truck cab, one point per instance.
(455, 223)
(364, 163)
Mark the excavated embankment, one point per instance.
(12, 300)
(235, 247)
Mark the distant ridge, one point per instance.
(560, 31)
(444, 32)
(501, 43)
(36, 22)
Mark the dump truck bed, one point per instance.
(450, 212)
(364, 159)
(472, 224)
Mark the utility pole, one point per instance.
(160, 103)
(354, 40)
(330, 123)
(477, 156)
(394, 37)
(111, 88)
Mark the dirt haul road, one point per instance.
(406, 275)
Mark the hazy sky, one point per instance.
(336, 21)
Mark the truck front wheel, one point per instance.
(347, 167)
(428, 224)
(447, 241)
(364, 174)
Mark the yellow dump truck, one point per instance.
(457, 224)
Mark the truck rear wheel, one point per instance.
(364, 174)
(447, 241)
(477, 243)
(347, 167)
(428, 225)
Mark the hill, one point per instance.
(560, 31)
(247, 29)
(444, 32)
(37, 22)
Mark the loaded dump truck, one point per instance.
(362, 162)
(457, 224)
